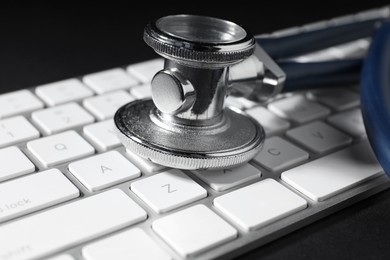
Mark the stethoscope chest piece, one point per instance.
(236, 139)
(186, 124)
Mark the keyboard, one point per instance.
(69, 189)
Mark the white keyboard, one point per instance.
(69, 190)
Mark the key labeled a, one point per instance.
(104, 170)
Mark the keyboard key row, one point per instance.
(67, 146)
(71, 90)
(197, 229)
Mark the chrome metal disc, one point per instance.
(199, 40)
(234, 140)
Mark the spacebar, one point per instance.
(68, 225)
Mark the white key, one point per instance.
(194, 230)
(298, 109)
(103, 170)
(61, 257)
(142, 91)
(271, 123)
(335, 173)
(145, 71)
(18, 102)
(278, 154)
(224, 179)
(15, 130)
(259, 204)
(109, 80)
(319, 137)
(168, 190)
(350, 122)
(30, 193)
(104, 106)
(68, 225)
(60, 148)
(130, 244)
(14, 163)
(102, 135)
(63, 91)
(338, 99)
(240, 102)
(60, 118)
(146, 166)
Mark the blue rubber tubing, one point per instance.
(375, 95)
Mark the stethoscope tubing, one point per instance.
(375, 95)
(309, 75)
(283, 47)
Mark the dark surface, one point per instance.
(42, 44)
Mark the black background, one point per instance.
(45, 43)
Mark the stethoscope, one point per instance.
(186, 125)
